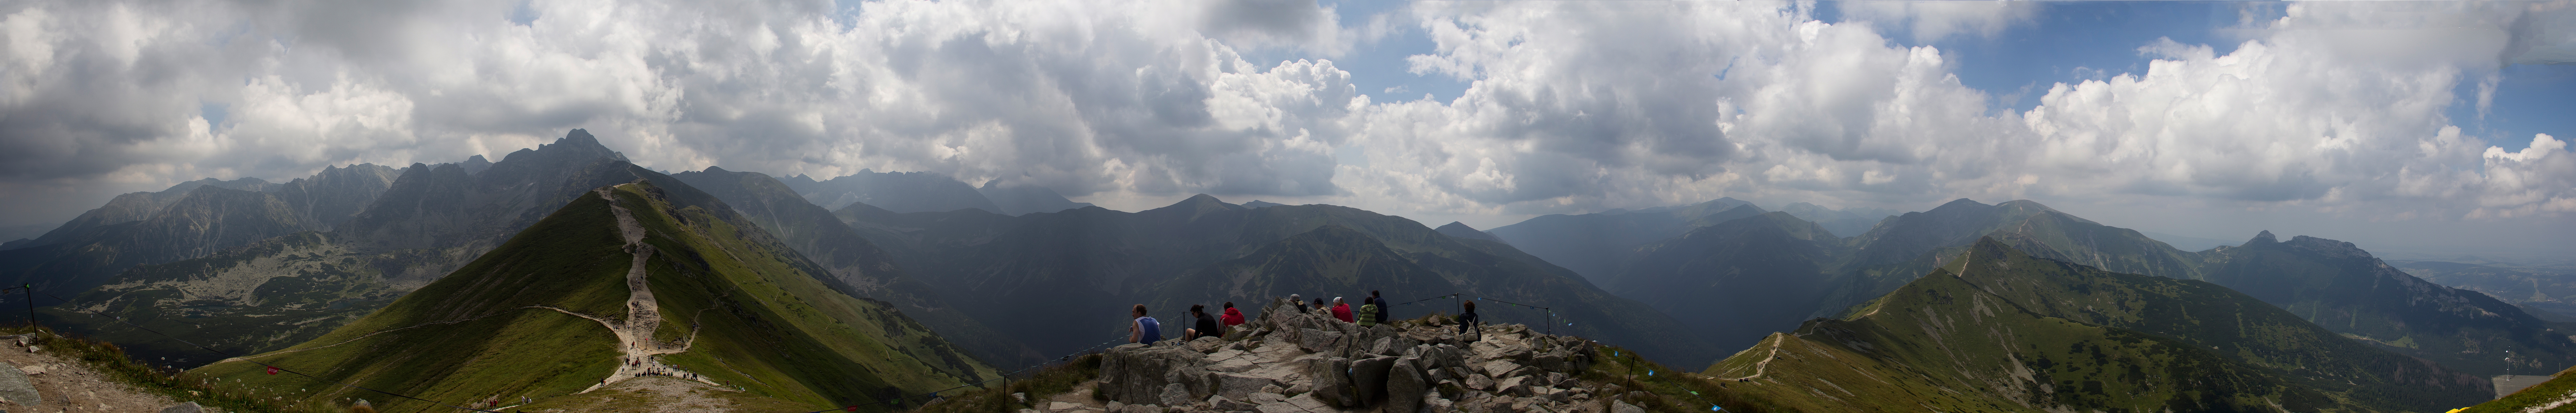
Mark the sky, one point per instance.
(2423, 126)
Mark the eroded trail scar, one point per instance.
(643, 314)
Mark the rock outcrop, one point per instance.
(1284, 361)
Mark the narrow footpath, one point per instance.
(643, 314)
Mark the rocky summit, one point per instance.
(1285, 361)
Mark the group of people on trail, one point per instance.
(1373, 311)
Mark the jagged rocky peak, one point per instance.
(476, 164)
(2262, 238)
(1291, 361)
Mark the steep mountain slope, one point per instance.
(2342, 288)
(2237, 326)
(205, 219)
(896, 191)
(1735, 281)
(1067, 278)
(332, 196)
(429, 222)
(666, 275)
(2557, 395)
(1016, 200)
(1844, 222)
(852, 259)
(1943, 343)
(1591, 244)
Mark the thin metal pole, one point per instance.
(31, 305)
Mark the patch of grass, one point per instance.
(1040, 385)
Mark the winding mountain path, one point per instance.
(643, 314)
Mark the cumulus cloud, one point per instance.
(1571, 106)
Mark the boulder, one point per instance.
(189, 407)
(15, 386)
(1500, 368)
(1479, 382)
(1239, 386)
(1265, 398)
(1369, 377)
(1142, 408)
(1318, 341)
(1405, 385)
(1063, 407)
(1332, 382)
(1624, 407)
(1220, 403)
(1136, 373)
(1515, 386)
(1175, 394)
(1114, 406)
(1383, 346)
(1209, 344)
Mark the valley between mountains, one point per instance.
(564, 276)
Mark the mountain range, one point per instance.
(927, 192)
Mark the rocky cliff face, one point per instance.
(1284, 361)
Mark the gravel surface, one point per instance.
(67, 386)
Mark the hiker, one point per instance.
(1368, 312)
(1382, 307)
(1300, 302)
(1467, 320)
(1319, 305)
(1341, 309)
(1232, 316)
(1206, 326)
(1143, 329)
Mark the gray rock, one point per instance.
(189, 407)
(1332, 382)
(1318, 341)
(1220, 403)
(1559, 380)
(1480, 382)
(1135, 373)
(1265, 398)
(1175, 394)
(1383, 346)
(1513, 386)
(1624, 407)
(1207, 344)
(1114, 405)
(15, 386)
(1238, 386)
(1297, 389)
(1501, 369)
(1369, 377)
(1405, 385)
(1142, 408)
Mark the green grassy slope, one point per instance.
(2558, 395)
(2342, 288)
(2232, 324)
(767, 322)
(1941, 343)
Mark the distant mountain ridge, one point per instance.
(927, 192)
(1989, 332)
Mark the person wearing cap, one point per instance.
(1300, 302)
(1342, 310)
(1143, 329)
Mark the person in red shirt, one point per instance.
(1232, 316)
(1342, 310)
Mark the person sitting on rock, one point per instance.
(1467, 320)
(1143, 329)
(1206, 326)
(1300, 302)
(1382, 306)
(1232, 316)
(1319, 305)
(1368, 312)
(1341, 310)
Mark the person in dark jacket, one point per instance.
(1300, 302)
(1206, 326)
(1467, 320)
(1382, 308)
(1143, 329)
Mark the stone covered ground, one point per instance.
(1289, 362)
(65, 385)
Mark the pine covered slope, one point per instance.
(552, 312)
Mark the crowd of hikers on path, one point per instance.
(1373, 311)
